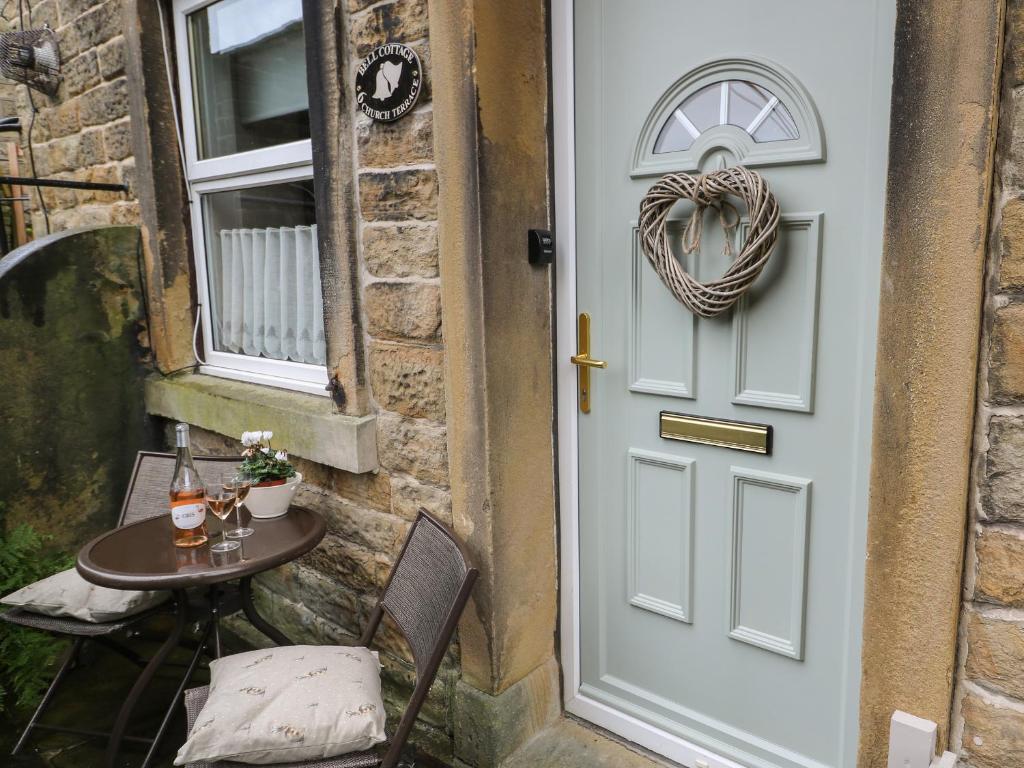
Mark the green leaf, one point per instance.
(26, 656)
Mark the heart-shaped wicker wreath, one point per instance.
(704, 191)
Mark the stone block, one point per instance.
(1002, 491)
(1000, 555)
(408, 496)
(71, 41)
(63, 154)
(489, 728)
(995, 651)
(106, 174)
(44, 12)
(126, 212)
(112, 57)
(408, 379)
(356, 566)
(376, 531)
(102, 23)
(398, 195)
(402, 21)
(1011, 234)
(104, 103)
(56, 198)
(403, 310)
(328, 598)
(80, 216)
(367, 489)
(413, 446)
(92, 151)
(402, 142)
(399, 677)
(993, 733)
(72, 9)
(62, 120)
(1006, 364)
(117, 138)
(81, 73)
(401, 250)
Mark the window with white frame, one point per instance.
(248, 158)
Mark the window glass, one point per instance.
(778, 126)
(249, 75)
(264, 272)
(749, 107)
(746, 101)
(704, 107)
(674, 137)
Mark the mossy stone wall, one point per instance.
(72, 414)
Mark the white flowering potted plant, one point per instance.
(274, 479)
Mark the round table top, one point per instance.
(142, 555)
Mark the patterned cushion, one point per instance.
(287, 704)
(68, 594)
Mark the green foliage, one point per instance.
(261, 462)
(26, 656)
(263, 467)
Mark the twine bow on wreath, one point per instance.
(709, 190)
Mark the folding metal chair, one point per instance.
(425, 595)
(146, 497)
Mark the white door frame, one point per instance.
(631, 728)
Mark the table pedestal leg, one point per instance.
(189, 671)
(124, 715)
(255, 619)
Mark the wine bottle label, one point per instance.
(188, 515)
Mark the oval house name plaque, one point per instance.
(388, 82)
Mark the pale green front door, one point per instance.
(720, 591)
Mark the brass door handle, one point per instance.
(584, 361)
(587, 361)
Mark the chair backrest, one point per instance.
(425, 595)
(151, 479)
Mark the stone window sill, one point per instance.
(305, 425)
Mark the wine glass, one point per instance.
(241, 482)
(221, 499)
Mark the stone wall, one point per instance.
(989, 708)
(82, 133)
(70, 322)
(327, 595)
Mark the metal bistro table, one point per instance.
(142, 556)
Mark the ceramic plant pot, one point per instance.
(272, 500)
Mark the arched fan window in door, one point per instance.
(753, 109)
(748, 106)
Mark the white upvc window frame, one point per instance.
(282, 163)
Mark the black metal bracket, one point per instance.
(540, 247)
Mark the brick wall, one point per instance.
(82, 133)
(989, 708)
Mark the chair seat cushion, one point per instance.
(68, 594)
(287, 704)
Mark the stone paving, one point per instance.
(569, 744)
(89, 698)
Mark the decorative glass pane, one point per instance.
(264, 272)
(748, 106)
(746, 101)
(704, 107)
(248, 75)
(778, 126)
(674, 137)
